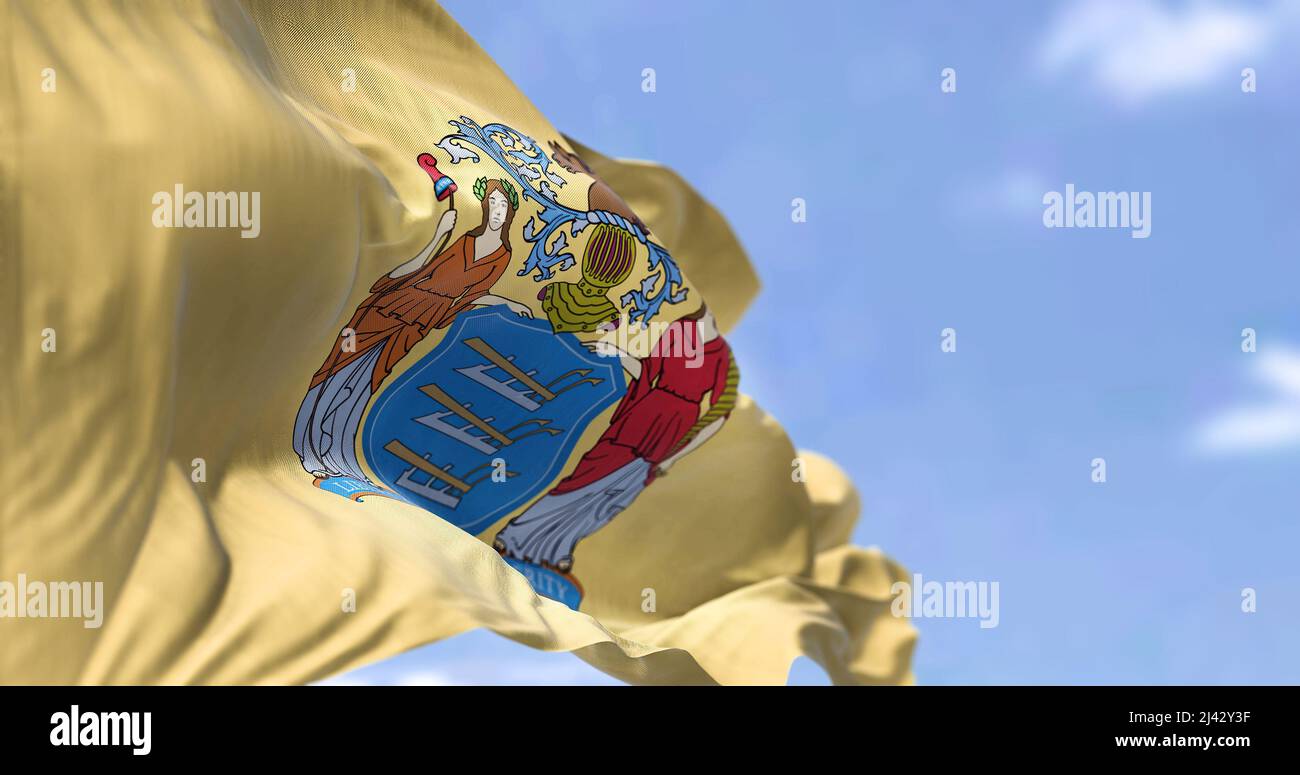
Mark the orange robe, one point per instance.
(400, 311)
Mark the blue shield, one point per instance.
(487, 420)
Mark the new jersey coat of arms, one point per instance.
(494, 391)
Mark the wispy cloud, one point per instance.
(426, 678)
(1016, 192)
(1138, 49)
(1271, 424)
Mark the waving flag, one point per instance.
(327, 345)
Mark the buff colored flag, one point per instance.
(323, 343)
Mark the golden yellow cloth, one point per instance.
(180, 344)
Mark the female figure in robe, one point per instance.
(657, 423)
(422, 294)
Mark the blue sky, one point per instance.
(925, 212)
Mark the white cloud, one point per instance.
(344, 680)
(1138, 49)
(1015, 192)
(426, 678)
(1270, 425)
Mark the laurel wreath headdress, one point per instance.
(480, 190)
